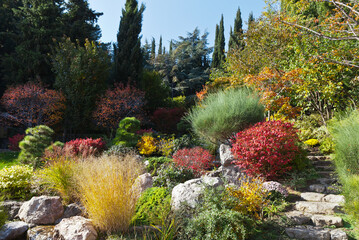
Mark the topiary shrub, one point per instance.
(197, 159)
(224, 113)
(126, 132)
(32, 147)
(15, 182)
(148, 204)
(267, 149)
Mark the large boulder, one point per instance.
(72, 210)
(12, 208)
(226, 155)
(14, 230)
(233, 174)
(41, 210)
(75, 228)
(41, 233)
(190, 191)
(142, 183)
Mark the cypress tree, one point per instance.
(153, 48)
(236, 36)
(251, 19)
(160, 47)
(128, 55)
(171, 47)
(218, 55)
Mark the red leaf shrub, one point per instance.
(14, 142)
(85, 147)
(267, 149)
(197, 159)
(166, 119)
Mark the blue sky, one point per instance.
(173, 18)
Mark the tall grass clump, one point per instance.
(345, 132)
(106, 189)
(224, 113)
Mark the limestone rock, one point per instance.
(75, 228)
(318, 207)
(327, 220)
(312, 196)
(299, 218)
(334, 199)
(319, 188)
(13, 230)
(190, 191)
(143, 182)
(308, 233)
(233, 174)
(338, 234)
(41, 210)
(226, 155)
(12, 208)
(41, 233)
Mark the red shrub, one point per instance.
(85, 147)
(266, 149)
(14, 142)
(197, 159)
(166, 119)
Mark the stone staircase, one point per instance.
(314, 214)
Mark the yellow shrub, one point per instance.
(251, 196)
(166, 146)
(105, 188)
(147, 145)
(312, 142)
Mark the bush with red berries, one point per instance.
(87, 146)
(267, 149)
(14, 142)
(197, 159)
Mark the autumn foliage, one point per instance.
(266, 149)
(31, 104)
(117, 104)
(85, 146)
(14, 142)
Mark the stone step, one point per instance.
(328, 168)
(315, 233)
(334, 198)
(318, 207)
(319, 188)
(327, 220)
(326, 181)
(312, 196)
(299, 218)
(317, 158)
(322, 163)
(326, 174)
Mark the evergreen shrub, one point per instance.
(126, 132)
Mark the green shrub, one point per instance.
(226, 112)
(154, 163)
(15, 182)
(55, 144)
(120, 150)
(3, 216)
(149, 204)
(126, 132)
(33, 146)
(169, 175)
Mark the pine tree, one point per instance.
(236, 36)
(218, 55)
(160, 47)
(251, 19)
(128, 55)
(171, 48)
(80, 21)
(153, 48)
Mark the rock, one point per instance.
(319, 188)
(233, 174)
(275, 186)
(318, 207)
(326, 181)
(14, 230)
(143, 182)
(308, 233)
(12, 208)
(298, 218)
(215, 173)
(41, 210)
(190, 191)
(327, 220)
(41, 233)
(75, 228)
(334, 199)
(312, 196)
(226, 155)
(71, 210)
(338, 234)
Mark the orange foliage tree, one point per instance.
(117, 104)
(31, 104)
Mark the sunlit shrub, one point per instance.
(105, 187)
(266, 149)
(14, 142)
(86, 147)
(147, 145)
(126, 132)
(312, 142)
(166, 146)
(196, 159)
(154, 163)
(15, 182)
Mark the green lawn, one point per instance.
(8, 159)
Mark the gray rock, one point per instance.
(312, 196)
(12, 208)
(318, 207)
(327, 220)
(41, 233)
(226, 155)
(233, 174)
(319, 188)
(334, 199)
(299, 218)
(308, 233)
(338, 234)
(72, 210)
(41, 210)
(142, 183)
(13, 230)
(190, 191)
(75, 228)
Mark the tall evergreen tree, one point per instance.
(236, 36)
(80, 21)
(160, 47)
(251, 19)
(171, 48)
(153, 48)
(218, 55)
(128, 55)
(146, 49)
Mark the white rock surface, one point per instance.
(41, 210)
(327, 220)
(142, 183)
(318, 207)
(226, 155)
(308, 233)
(41, 233)
(75, 228)
(332, 198)
(312, 196)
(13, 230)
(338, 234)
